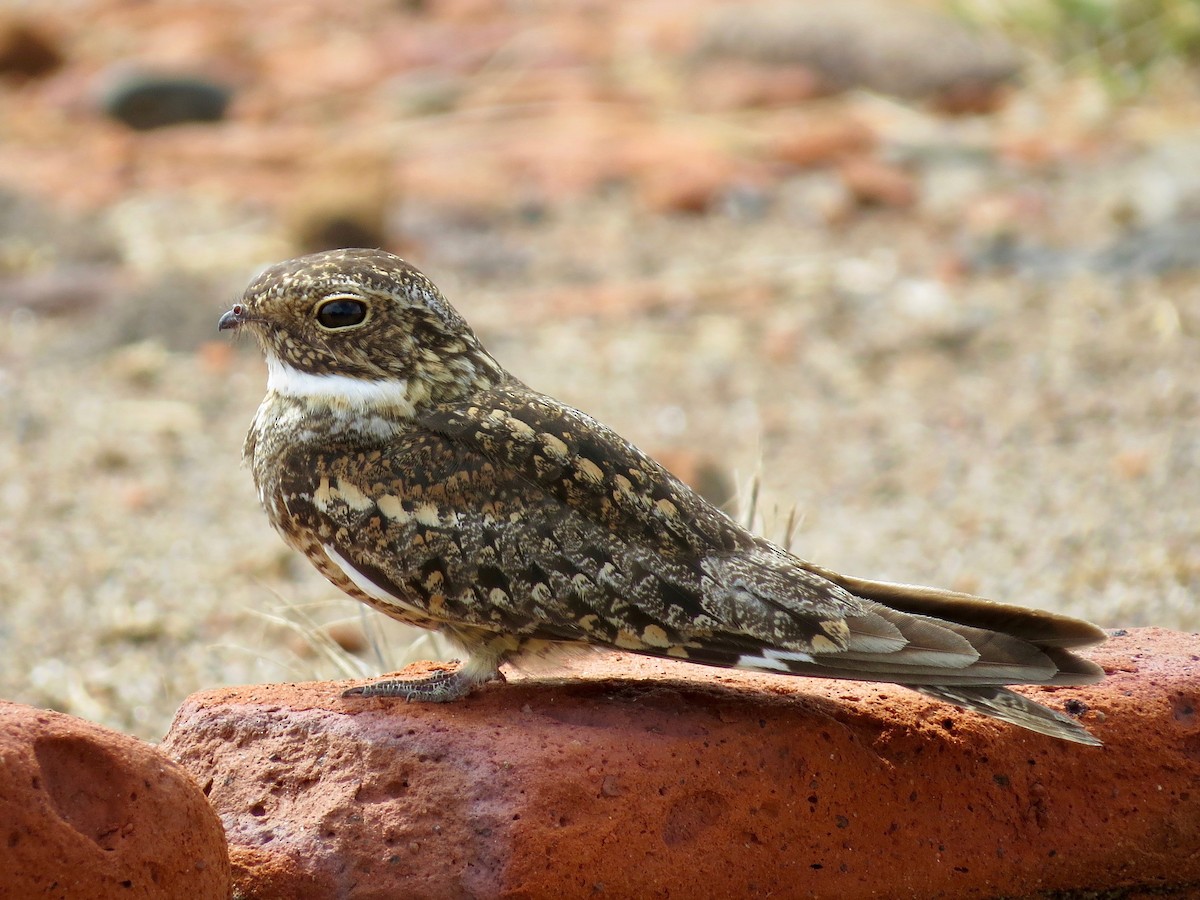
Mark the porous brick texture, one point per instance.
(87, 812)
(648, 779)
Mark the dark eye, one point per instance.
(341, 312)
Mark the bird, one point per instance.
(422, 478)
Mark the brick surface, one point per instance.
(639, 778)
(88, 812)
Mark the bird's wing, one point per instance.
(519, 516)
(589, 468)
(758, 606)
(462, 526)
(675, 546)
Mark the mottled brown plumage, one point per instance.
(421, 478)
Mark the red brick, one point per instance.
(89, 812)
(640, 778)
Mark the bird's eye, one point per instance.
(341, 312)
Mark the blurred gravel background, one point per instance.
(946, 310)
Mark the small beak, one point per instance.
(232, 319)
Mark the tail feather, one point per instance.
(939, 645)
(1009, 706)
(1072, 669)
(953, 647)
(1044, 629)
(983, 696)
(947, 652)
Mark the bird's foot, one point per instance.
(441, 686)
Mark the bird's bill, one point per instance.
(235, 318)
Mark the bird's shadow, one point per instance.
(667, 704)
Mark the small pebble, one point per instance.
(145, 101)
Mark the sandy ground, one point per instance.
(1028, 434)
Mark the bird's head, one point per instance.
(360, 328)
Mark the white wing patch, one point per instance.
(774, 660)
(367, 586)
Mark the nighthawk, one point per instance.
(423, 479)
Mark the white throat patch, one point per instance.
(356, 393)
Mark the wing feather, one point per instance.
(518, 515)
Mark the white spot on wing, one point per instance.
(774, 660)
(790, 655)
(760, 662)
(366, 585)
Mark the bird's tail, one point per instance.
(1043, 629)
(1009, 706)
(954, 647)
(1054, 635)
